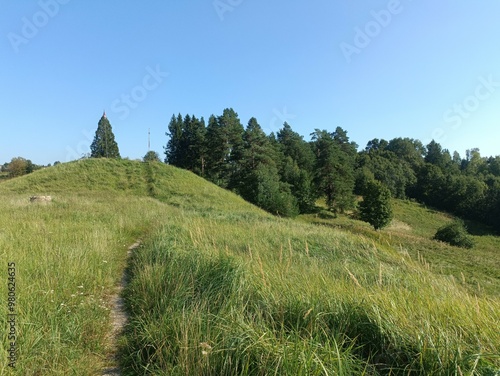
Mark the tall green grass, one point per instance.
(258, 296)
(69, 257)
(219, 287)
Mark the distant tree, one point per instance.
(431, 185)
(494, 165)
(363, 176)
(194, 133)
(376, 145)
(474, 164)
(301, 185)
(56, 163)
(186, 147)
(457, 160)
(19, 166)
(151, 156)
(293, 146)
(408, 149)
(224, 142)
(297, 166)
(455, 233)
(334, 170)
(492, 207)
(388, 168)
(173, 150)
(267, 192)
(256, 146)
(104, 144)
(376, 208)
(434, 154)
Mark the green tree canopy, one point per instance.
(376, 208)
(19, 166)
(151, 156)
(334, 170)
(224, 140)
(104, 144)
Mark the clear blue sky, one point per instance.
(379, 69)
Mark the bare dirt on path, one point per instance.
(119, 319)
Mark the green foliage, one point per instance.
(329, 166)
(389, 169)
(265, 190)
(376, 207)
(174, 149)
(293, 146)
(301, 185)
(104, 144)
(186, 147)
(151, 156)
(224, 140)
(408, 149)
(455, 233)
(19, 166)
(220, 287)
(334, 170)
(297, 166)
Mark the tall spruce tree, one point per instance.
(297, 167)
(104, 144)
(193, 144)
(224, 140)
(257, 150)
(173, 150)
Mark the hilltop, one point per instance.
(222, 287)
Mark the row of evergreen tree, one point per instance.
(285, 174)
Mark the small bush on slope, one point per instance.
(455, 233)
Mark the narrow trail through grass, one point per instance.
(219, 287)
(119, 319)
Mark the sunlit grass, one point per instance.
(265, 296)
(220, 287)
(69, 255)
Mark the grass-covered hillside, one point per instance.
(220, 287)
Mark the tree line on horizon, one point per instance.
(285, 175)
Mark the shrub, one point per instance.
(455, 233)
(151, 156)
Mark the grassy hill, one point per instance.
(220, 287)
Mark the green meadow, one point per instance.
(220, 287)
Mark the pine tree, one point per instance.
(257, 150)
(376, 206)
(193, 144)
(334, 171)
(173, 150)
(224, 141)
(294, 146)
(104, 144)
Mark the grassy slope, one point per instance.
(221, 290)
(80, 239)
(221, 286)
(412, 231)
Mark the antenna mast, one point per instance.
(149, 139)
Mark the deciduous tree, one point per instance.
(376, 208)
